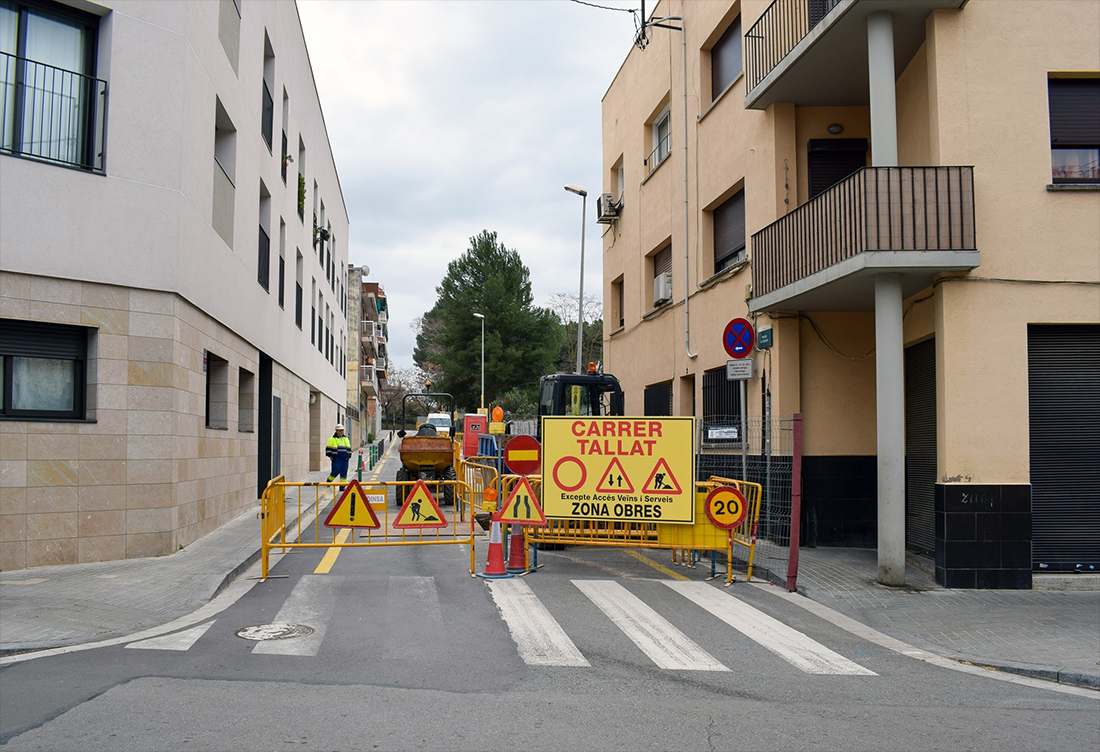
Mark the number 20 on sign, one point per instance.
(726, 507)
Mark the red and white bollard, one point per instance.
(517, 551)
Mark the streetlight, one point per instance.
(482, 317)
(580, 295)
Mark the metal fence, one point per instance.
(764, 456)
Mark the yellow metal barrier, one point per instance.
(680, 539)
(273, 517)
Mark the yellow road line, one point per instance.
(332, 553)
(662, 569)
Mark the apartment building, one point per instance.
(374, 365)
(172, 287)
(907, 192)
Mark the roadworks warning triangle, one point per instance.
(666, 484)
(353, 510)
(615, 479)
(522, 507)
(420, 510)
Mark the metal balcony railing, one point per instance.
(659, 154)
(52, 114)
(874, 209)
(366, 329)
(776, 32)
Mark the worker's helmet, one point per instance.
(339, 426)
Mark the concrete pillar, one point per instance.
(890, 423)
(884, 116)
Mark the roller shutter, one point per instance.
(1064, 436)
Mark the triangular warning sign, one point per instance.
(522, 507)
(662, 481)
(420, 510)
(614, 479)
(353, 510)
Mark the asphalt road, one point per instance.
(410, 652)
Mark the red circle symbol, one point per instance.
(739, 338)
(523, 455)
(584, 474)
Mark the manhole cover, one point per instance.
(274, 631)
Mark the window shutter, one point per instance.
(621, 307)
(725, 59)
(662, 261)
(1074, 111)
(830, 160)
(729, 228)
(40, 340)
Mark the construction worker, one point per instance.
(338, 450)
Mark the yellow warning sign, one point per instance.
(522, 507)
(353, 510)
(622, 469)
(420, 510)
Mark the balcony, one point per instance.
(368, 380)
(916, 221)
(814, 52)
(52, 114)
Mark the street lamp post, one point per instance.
(482, 317)
(580, 295)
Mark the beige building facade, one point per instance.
(907, 193)
(172, 272)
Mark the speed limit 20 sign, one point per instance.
(726, 508)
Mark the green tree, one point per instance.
(522, 341)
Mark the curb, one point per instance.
(1058, 675)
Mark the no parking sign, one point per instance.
(738, 338)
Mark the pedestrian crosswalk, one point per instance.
(634, 613)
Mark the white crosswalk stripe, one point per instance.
(311, 602)
(666, 645)
(177, 641)
(790, 644)
(538, 636)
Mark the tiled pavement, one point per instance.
(1051, 634)
(1048, 633)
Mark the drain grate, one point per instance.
(262, 632)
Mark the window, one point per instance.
(725, 59)
(217, 391)
(313, 312)
(229, 30)
(298, 289)
(43, 370)
(301, 180)
(1074, 129)
(246, 401)
(617, 295)
(721, 408)
(51, 106)
(658, 399)
(830, 160)
(286, 158)
(729, 231)
(225, 160)
(661, 141)
(263, 265)
(267, 102)
(282, 264)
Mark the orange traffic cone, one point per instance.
(517, 551)
(494, 566)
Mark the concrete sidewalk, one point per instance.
(1048, 634)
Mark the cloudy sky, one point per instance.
(448, 117)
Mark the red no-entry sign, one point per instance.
(523, 455)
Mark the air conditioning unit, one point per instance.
(607, 209)
(662, 288)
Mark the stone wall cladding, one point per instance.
(143, 476)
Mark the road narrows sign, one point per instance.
(353, 510)
(414, 515)
(522, 507)
(595, 468)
